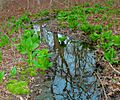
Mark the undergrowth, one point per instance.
(75, 18)
(28, 44)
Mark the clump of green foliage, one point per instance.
(108, 42)
(14, 24)
(111, 55)
(42, 59)
(77, 17)
(4, 40)
(29, 43)
(18, 87)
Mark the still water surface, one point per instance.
(73, 77)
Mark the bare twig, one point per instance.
(118, 72)
(106, 98)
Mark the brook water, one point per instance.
(73, 75)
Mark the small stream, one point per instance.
(73, 76)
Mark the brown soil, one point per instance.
(19, 7)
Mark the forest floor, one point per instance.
(110, 80)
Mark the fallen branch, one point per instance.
(44, 18)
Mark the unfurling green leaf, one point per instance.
(14, 71)
(2, 74)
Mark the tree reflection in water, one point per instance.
(74, 73)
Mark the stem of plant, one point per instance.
(30, 59)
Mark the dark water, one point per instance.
(73, 77)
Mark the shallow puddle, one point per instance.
(74, 66)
